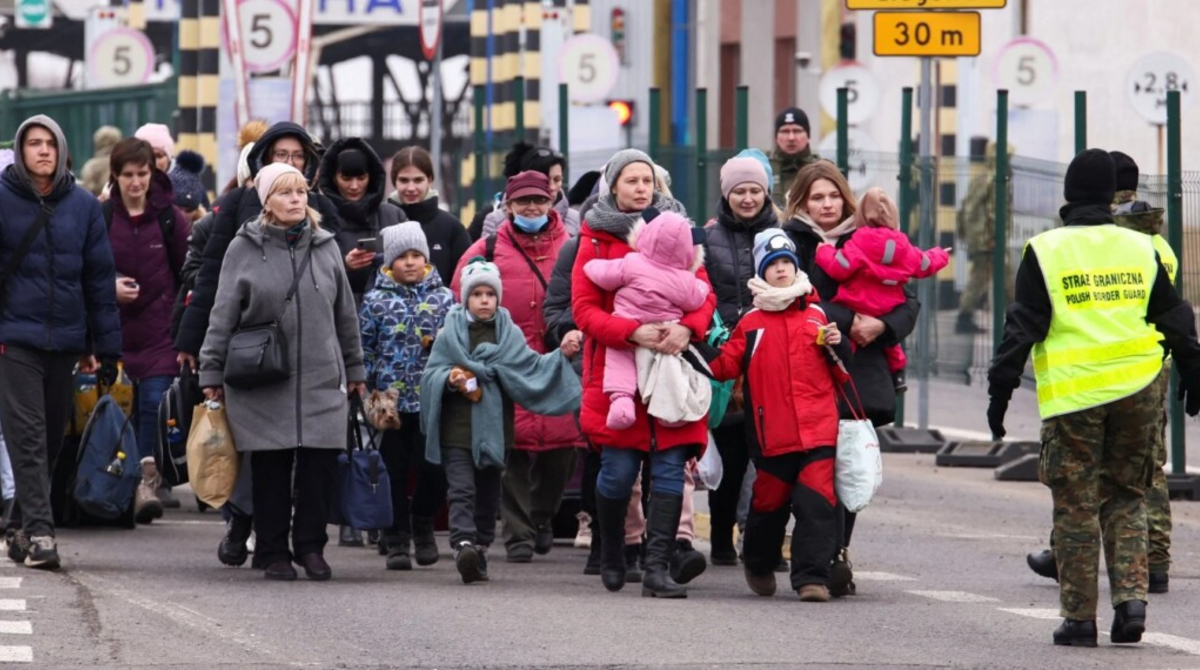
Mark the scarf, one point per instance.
(294, 233)
(606, 217)
(831, 236)
(770, 298)
(541, 383)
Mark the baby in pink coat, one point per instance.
(656, 283)
(873, 266)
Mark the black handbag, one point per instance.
(258, 354)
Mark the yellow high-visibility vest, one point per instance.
(1167, 255)
(1100, 347)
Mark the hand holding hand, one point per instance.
(648, 335)
(676, 340)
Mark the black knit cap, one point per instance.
(1091, 177)
(793, 115)
(1127, 171)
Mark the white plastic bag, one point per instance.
(709, 470)
(858, 470)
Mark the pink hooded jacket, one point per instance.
(658, 282)
(873, 266)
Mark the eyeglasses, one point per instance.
(282, 156)
(531, 200)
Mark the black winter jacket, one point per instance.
(448, 239)
(556, 308)
(729, 258)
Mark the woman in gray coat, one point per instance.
(301, 421)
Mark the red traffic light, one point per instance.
(624, 111)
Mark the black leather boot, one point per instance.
(686, 563)
(425, 541)
(593, 559)
(1129, 622)
(1160, 582)
(633, 564)
(1074, 633)
(661, 526)
(611, 515)
(1042, 563)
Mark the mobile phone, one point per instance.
(366, 243)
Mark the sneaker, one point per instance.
(146, 505)
(43, 553)
(466, 559)
(583, 538)
(841, 575)
(18, 545)
(349, 536)
(813, 593)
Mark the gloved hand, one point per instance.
(107, 376)
(997, 407)
(1189, 392)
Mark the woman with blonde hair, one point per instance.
(821, 209)
(300, 421)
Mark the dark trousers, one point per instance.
(533, 490)
(474, 496)
(273, 488)
(723, 502)
(587, 488)
(800, 483)
(35, 403)
(404, 455)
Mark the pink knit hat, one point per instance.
(265, 179)
(737, 171)
(159, 137)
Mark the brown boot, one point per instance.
(146, 505)
(813, 593)
(763, 585)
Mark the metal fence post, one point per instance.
(519, 102)
(564, 125)
(655, 122)
(1080, 121)
(843, 131)
(477, 95)
(1175, 238)
(699, 213)
(1000, 252)
(743, 117)
(905, 190)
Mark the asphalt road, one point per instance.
(940, 568)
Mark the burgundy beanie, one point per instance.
(527, 183)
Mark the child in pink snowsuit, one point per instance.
(657, 283)
(873, 266)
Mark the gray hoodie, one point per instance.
(61, 173)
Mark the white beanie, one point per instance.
(479, 272)
(243, 166)
(403, 237)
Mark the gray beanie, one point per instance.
(479, 272)
(402, 237)
(620, 161)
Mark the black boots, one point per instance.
(397, 544)
(1129, 622)
(423, 538)
(633, 563)
(593, 559)
(1074, 633)
(611, 515)
(1160, 582)
(661, 526)
(232, 551)
(686, 563)
(1043, 564)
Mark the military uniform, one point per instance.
(976, 225)
(785, 168)
(1095, 305)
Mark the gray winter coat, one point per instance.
(321, 329)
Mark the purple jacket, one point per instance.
(138, 251)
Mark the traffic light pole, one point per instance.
(925, 241)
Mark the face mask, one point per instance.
(531, 225)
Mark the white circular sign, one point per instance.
(121, 57)
(863, 174)
(1152, 76)
(268, 34)
(588, 65)
(1028, 69)
(429, 24)
(862, 94)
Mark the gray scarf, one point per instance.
(606, 217)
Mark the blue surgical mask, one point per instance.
(529, 225)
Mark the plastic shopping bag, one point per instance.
(211, 457)
(709, 470)
(858, 470)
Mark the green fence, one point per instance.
(80, 113)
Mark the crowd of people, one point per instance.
(564, 331)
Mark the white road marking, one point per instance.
(1172, 641)
(989, 536)
(12, 605)
(881, 577)
(16, 654)
(16, 628)
(10, 582)
(1032, 612)
(955, 596)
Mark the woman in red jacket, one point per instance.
(792, 419)
(605, 234)
(525, 248)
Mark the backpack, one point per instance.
(177, 405)
(166, 224)
(98, 492)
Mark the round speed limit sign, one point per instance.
(588, 65)
(1028, 69)
(121, 57)
(268, 34)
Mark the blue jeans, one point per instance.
(147, 394)
(619, 468)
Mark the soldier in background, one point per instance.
(976, 225)
(792, 151)
(1131, 213)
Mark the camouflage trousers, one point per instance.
(1098, 465)
(1158, 499)
(979, 282)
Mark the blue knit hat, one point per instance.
(771, 244)
(185, 179)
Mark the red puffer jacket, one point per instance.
(790, 396)
(523, 296)
(592, 308)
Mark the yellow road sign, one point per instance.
(927, 34)
(925, 4)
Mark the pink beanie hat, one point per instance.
(265, 179)
(737, 171)
(159, 137)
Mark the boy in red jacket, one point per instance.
(792, 424)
